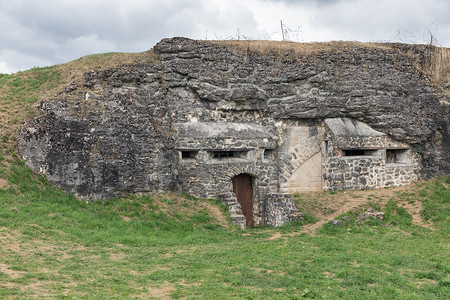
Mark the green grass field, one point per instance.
(168, 246)
(173, 246)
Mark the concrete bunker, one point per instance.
(265, 164)
(359, 157)
(235, 162)
(201, 116)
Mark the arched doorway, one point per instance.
(242, 187)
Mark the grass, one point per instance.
(439, 66)
(55, 246)
(281, 48)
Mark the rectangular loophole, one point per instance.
(268, 154)
(398, 156)
(229, 154)
(189, 154)
(361, 152)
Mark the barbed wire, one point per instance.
(284, 32)
(289, 34)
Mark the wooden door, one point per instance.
(242, 187)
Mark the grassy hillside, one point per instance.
(175, 246)
(168, 246)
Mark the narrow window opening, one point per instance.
(188, 154)
(268, 154)
(229, 154)
(223, 154)
(398, 156)
(361, 152)
(356, 152)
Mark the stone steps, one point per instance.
(234, 207)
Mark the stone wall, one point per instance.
(209, 177)
(125, 129)
(279, 209)
(370, 168)
(109, 137)
(366, 172)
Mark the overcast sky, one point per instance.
(36, 33)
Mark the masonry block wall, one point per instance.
(201, 113)
(358, 157)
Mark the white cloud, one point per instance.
(12, 61)
(43, 32)
(59, 31)
(379, 20)
(4, 68)
(87, 44)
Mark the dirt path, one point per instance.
(414, 210)
(328, 206)
(3, 183)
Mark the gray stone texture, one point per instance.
(124, 129)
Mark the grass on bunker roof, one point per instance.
(173, 246)
(435, 64)
(21, 92)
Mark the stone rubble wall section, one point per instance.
(280, 209)
(209, 178)
(366, 172)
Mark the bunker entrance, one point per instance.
(242, 187)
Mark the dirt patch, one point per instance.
(425, 281)
(162, 292)
(3, 183)
(276, 236)
(331, 275)
(328, 206)
(117, 256)
(38, 289)
(414, 210)
(355, 264)
(10, 240)
(216, 213)
(14, 274)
